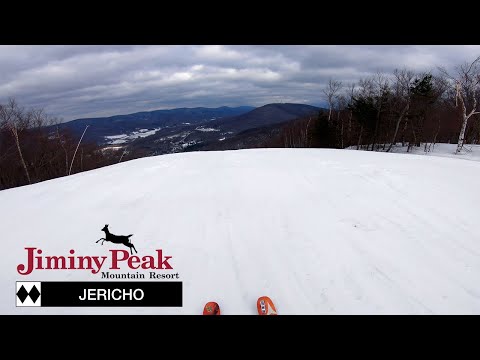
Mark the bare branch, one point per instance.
(73, 159)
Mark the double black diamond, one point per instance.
(34, 294)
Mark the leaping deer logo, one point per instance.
(117, 239)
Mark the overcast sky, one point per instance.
(83, 81)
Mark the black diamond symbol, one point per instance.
(22, 294)
(34, 294)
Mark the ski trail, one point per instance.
(319, 231)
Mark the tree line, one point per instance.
(382, 110)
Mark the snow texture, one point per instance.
(320, 231)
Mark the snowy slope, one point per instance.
(320, 231)
(469, 151)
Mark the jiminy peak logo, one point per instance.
(37, 261)
(116, 259)
(100, 293)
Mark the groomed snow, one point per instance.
(320, 231)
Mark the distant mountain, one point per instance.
(264, 116)
(242, 131)
(146, 122)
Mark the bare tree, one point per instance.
(330, 92)
(381, 86)
(350, 95)
(341, 105)
(466, 82)
(15, 120)
(402, 87)
(62, 142)
(365, 91)
(123, 154)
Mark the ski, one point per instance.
(265, 306)
(211, 308)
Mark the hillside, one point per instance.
(138, 124)
(320, 231)
(250, 129)
(265, 115)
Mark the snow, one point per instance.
(206, 129)
(320, 231)
(115, 137)
(111, 148)
(123, 138)
(469, 151)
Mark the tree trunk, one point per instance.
(436, 134)
(14, 131)
(306, 133)
(461, 137)
(399, 120)
(375, 133)
(360, 138)
(341, 128)
(404, 131)
(350, 123)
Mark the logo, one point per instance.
(36, 260)
(116, 264)
(29, 293)
(117, 239)
(118, 258)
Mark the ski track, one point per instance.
(320, 231)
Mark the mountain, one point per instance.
(320, 231)
(146, 122)
(263, 116)
(247, 130)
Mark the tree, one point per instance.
(381, 87)
(466, 83)
(365, 112)
(363, 108)
(350, 95)
(402, 95)
(323, 133)
(330, 92)
(15, 120)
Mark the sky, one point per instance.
(71, 82)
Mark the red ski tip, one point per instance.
(265, 306)
(211, 308)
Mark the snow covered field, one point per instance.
(320, 231)
(123, 138)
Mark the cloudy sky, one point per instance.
(83, 81)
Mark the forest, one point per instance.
(386, 110)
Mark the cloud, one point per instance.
(84, 81)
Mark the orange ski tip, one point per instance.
(265, 306)
(211, 308)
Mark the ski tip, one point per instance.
(265, 306)
(211, 308)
